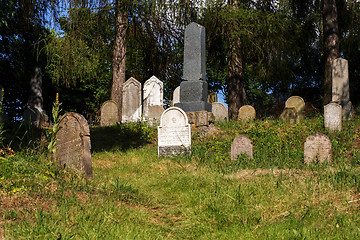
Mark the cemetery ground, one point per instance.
(137, 195)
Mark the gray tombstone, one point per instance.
(176, 95)
(109, 113)
(241, 145)
(317, 148)
(299, 104)
(220, 111)
(73, 145)
(131, 102)
(174, 134)
(155, 113)
(246, 113)
(194, 88)
(153, 95)
(333, 117)
(289, 115)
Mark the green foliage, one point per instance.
(51, 134)
(1, 118)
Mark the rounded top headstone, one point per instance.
(109, 113)
(173, 117)
(296, 102)
(246, 113)
(220, 111)
(317, 147)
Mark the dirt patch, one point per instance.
(252, 173)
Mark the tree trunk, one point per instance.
(331, 43)
(119, 58)
(235, 79)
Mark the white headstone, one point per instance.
(153, 95)
(340, 81)
(333, 117)
(220, 111)
(176, 95)
(174, 133)
(317, 148)
(131, 102)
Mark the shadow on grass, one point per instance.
(121, 137)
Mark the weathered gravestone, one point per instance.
(246, 113)
(299, 104)
(212, 97)
(317, 148)
(176, 95)
(153, 95)
(109, 113)
(155, 113)
(220, 111)
(289, 115)
(340, 86)
(174, 134)
(73, 145)
(131, 102)
(241, 145)
(333, 117)
(194, 88)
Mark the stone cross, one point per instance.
(241, 145)
(317, 148)
(109, 113)
(153, 95)
(131, 102)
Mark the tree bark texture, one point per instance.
(119, 56)
(331, 43)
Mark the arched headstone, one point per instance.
(246, 113)
(298, 104)
(241, 145)
(220, 111)
(153, 95)
(317, 148)
(109, 113)
(131, 102)
(333, 117)
(73, 145)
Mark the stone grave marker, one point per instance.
(131, 103)
(109, 113)
(153, 95)
(176, 95)
(289, 115)
(299, 104)
(241, 145)
(212, 97)
(73, 145)
(333, 117)
(220, 111)
(317, 148)
(33, 116)
(155, 113)
(246, 113)
(174, 134)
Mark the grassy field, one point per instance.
(137, 195)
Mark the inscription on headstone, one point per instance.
(317, 148)
(131, 103)
(220, 111)
(73, 145)
(109, 113)
(246, 113)
(174, 134)
(153, 95)
(333, 117)
(241, 145)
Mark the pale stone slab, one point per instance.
(153, 95)
(246, 113)
(289, 115)
(317, 148)
(340, 81)
(176, 95)
(220, 111)
(109, 113)
(212, 97)
(73, 145)
(174, 134)
(333, 117)
(241, 145)
(131, 102)
(299, 104)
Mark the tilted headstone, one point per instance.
(241, 145)
(246, 113)
(153, 95)
(73, 144)
(317, 148)
(220, 111)
(174, 134)
(194, 88)
(109, 113)
(299, 104)
(176, 95)
(289, 115)
(333, 117)
(212, 97)
(131, 102)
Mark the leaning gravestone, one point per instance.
(153, 95)
(333, 117)
(289, 115)
(109, 113)
(220, 111)
(194, 88)
(317, 148)
(174, 134)
(241, 145)
(131, 102)
(299, 104)
(246, 113)
(73, 145)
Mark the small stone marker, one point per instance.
(131, 103)
(241, 145)
(317, 148)
(153, 95)
(220, 111)
(299, 104)
(246, 113)
(73, 145)
(289, 115)
(212, 97)
(176, 95)
(333, 117)
(109, 113)
(174, 134)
